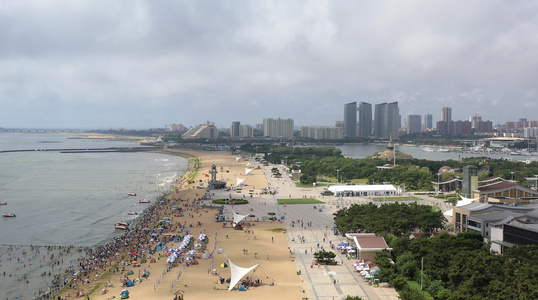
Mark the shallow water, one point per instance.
(66, 199)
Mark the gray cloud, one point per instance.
(142, 64)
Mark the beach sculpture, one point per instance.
(237, 272)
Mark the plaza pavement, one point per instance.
(318, 281)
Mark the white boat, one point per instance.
(132, 213)
(144, 201)
(428, 149)
(443, 150)
(121, 227)
(122, 224)
(132, 194)
(9, 215)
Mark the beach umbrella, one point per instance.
(166, 218)
(369, 276)
(146, 228)
(168, 221)
(160, 228)
(188, 258)
(342, 244)
(154, 234)
(186, 230)
(198, 245)
(223, 265)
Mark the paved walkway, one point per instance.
(319, 282)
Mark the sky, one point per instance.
(146, 64)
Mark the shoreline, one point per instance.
(189, 200)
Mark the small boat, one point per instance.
(132, 194)
(132, 213)
(144, 201)
(9, 215)
(443, 150)
(121, 227)
(428, 149)
(121, 223)
(3, 203)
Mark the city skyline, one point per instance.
(145, 64)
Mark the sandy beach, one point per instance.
(263, 243)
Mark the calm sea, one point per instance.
(362, 151)
(75, 198)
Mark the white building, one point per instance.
(278, 127)
(322, 132)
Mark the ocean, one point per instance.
(64, 199)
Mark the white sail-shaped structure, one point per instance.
(237, 158)
(238, 218)
(247, 170)
(238, 273)
(239, 181)
(464, 201)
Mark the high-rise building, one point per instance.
(322, 132)
(446, 114)
(414, 124)
(246, 131)
(278, 127)
(428, 121)
(350, 119)
(365, 119)
(234, 130)
(387, 120)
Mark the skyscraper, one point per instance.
(234, 130)
(428, 121)
(446, 114)
(350, 119)
(387, 120)
(365, 119)
(414, 124)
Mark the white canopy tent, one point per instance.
(239, 181)
(247, 170)
(363, 190)
(237, 272)
(248, 164)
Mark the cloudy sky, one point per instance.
(144, 64)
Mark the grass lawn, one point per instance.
(303, 185)
(299, 201)
(396, 199)
(436, 208)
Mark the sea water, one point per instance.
(72, 198)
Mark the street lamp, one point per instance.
(337, 170)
